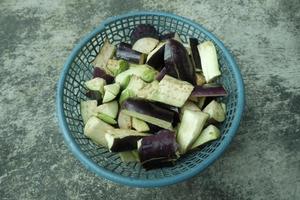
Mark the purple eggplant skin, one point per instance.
(125, 144)
(173, 109)
(125, 53)
(158, 149)
(196, 60)
(98, 72)
(148, 108)
(161, 74)
(125, 45)
(209, 90)
(157, 59)
(142, 31)
(178, 63)
(167, 36)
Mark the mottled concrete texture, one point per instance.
(263, 162)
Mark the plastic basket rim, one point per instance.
(115, 177)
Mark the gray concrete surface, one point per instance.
(263, 161)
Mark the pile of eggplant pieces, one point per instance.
(154, 99)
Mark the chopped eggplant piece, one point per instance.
(200, 79)
(215, 111)
(210, 133)
(143, 31)
(171, 91)
(134, 86)
(106, 52)
(156, 57)
(140, 125)
(106, 118)
(94, 95)
(209, 61)
(156, 121)
(145, 45)
(156, 150)
(100, 73)
(209, 90)
(175, 36)
(129, 156)
(96, 84)
(87, 109)
(173, 109)
(148, 90)
(110, 109)
(189, 105)
(149, 112)
(190, 127)
(123, 139)
(111, 91)
(130, 55)
(108, 96)
(124, 121)
(113, 88)
(195, 53)
(177, 62)
(145, 72)
(95, 129)
(117, 66)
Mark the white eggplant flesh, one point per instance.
(190, 128)
(95, 129)
(209, 61)
(145, 45)
(215, 111)
(210, 133)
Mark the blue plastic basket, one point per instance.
(78, 69)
